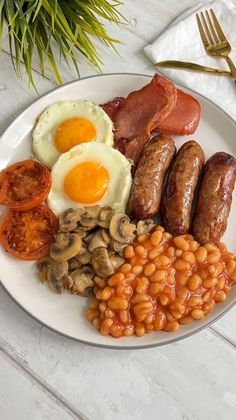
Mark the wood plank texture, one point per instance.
(22, 396)
(192, 379)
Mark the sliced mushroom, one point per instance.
(145, 226)
(106, 236)
(116, 261)
(59, 269)
(68, 221)
(62, 238)
(58, 286)
(82, 281)
(90, 217)
(117, 247)
(74, 264)
(84, 255)
(98, 241)
(67, 245)
(105, 216)
(101, 262)
(81, 231)
(57, 276)
(121, 230)
(89, 237)
(42, 266)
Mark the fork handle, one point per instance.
(231, 66)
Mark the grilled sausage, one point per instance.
(179, 192)
(214, 198)
(148, 180)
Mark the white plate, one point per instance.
(65, 313)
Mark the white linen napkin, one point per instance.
(181, 41)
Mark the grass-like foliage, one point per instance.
(34, 26)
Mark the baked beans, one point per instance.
(164, 282)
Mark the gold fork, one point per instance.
(214, 39)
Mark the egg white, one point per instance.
(56, 114)
(117, 165)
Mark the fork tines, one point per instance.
(210, 29)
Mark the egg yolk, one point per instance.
(87, 182)
(72, 132)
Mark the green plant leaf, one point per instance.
(36, 26)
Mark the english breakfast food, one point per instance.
(214, 198)
(157, 107)
(113, 106)
(165, 281)
(89, 243)
(180, 188)
(184, 118)
(28, 234)
(88, 174)
(140, 114)
(24, 185)
(66, 124)
(92, 225)
(147, 184)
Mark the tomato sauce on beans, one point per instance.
(165, 281)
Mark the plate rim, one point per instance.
(123, 347)
(113, 346)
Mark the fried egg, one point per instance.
(64, 125)
(90, 174)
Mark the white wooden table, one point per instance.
(46, 376)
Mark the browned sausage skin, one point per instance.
(181, 184)
(148, 180)
(214, 198)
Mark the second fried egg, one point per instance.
(90, 174)
(64, 125)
